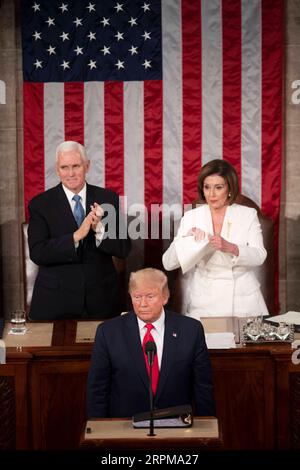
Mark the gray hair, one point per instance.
(70, 145)
(151, 275)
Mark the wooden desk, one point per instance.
(119, 434)
(43, 391)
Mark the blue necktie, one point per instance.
(78, 210)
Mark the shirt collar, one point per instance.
(158, 324)
(81, 193)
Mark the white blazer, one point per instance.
(217, 283)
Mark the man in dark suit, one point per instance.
(74, 230)
(118, 381)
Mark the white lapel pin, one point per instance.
(174, 334)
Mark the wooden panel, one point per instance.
(7, 413)
(13, 402)
(295, 409)
(58, 403)
(287, 400)
(244, 393)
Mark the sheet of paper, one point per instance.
(292, 318)
(220, 340)
(190, 252)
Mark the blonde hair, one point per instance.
(150, 275)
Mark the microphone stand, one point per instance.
(151, 427)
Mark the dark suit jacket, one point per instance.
(73, 281)
(118, 383)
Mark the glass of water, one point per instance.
(18, 322)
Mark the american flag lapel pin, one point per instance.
(228, 228)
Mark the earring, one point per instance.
(229, 194)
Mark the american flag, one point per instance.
(154, 89)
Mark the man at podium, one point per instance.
(118, 381)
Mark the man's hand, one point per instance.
(92, 220)
(221, 244)
(97, 211)
(84, 228)
(197, 233)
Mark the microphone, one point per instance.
(150, 350)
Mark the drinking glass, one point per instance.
(18, 322)
(253, 328)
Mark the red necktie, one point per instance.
(155, 369)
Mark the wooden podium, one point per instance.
(119, 434)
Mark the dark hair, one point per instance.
(224, 169)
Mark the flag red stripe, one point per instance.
(153, 163)
(153, 131)
(191, 97)
(33, 105)
(114, 136)
(272, 73)
(74, 106)
(232, 85)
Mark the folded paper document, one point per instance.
(174, 417)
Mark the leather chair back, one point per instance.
(30, 269)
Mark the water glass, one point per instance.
(18, 322)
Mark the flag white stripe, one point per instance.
(54, 128)
(134, 142)
(94, 131)
(172, 101)
(251, 100)
(212, 97)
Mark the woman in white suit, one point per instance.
(217, 246)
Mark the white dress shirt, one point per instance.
(70, 196)
(157, 332)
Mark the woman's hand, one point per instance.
(197, 233)
(221, 244)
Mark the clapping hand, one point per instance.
(97, 213)
(92, 220)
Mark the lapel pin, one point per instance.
(174, 334)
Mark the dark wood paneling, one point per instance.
(58, 397)
(257, 393)
(244, 392)
(295, 409)
(7, 413)
(14, 395)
